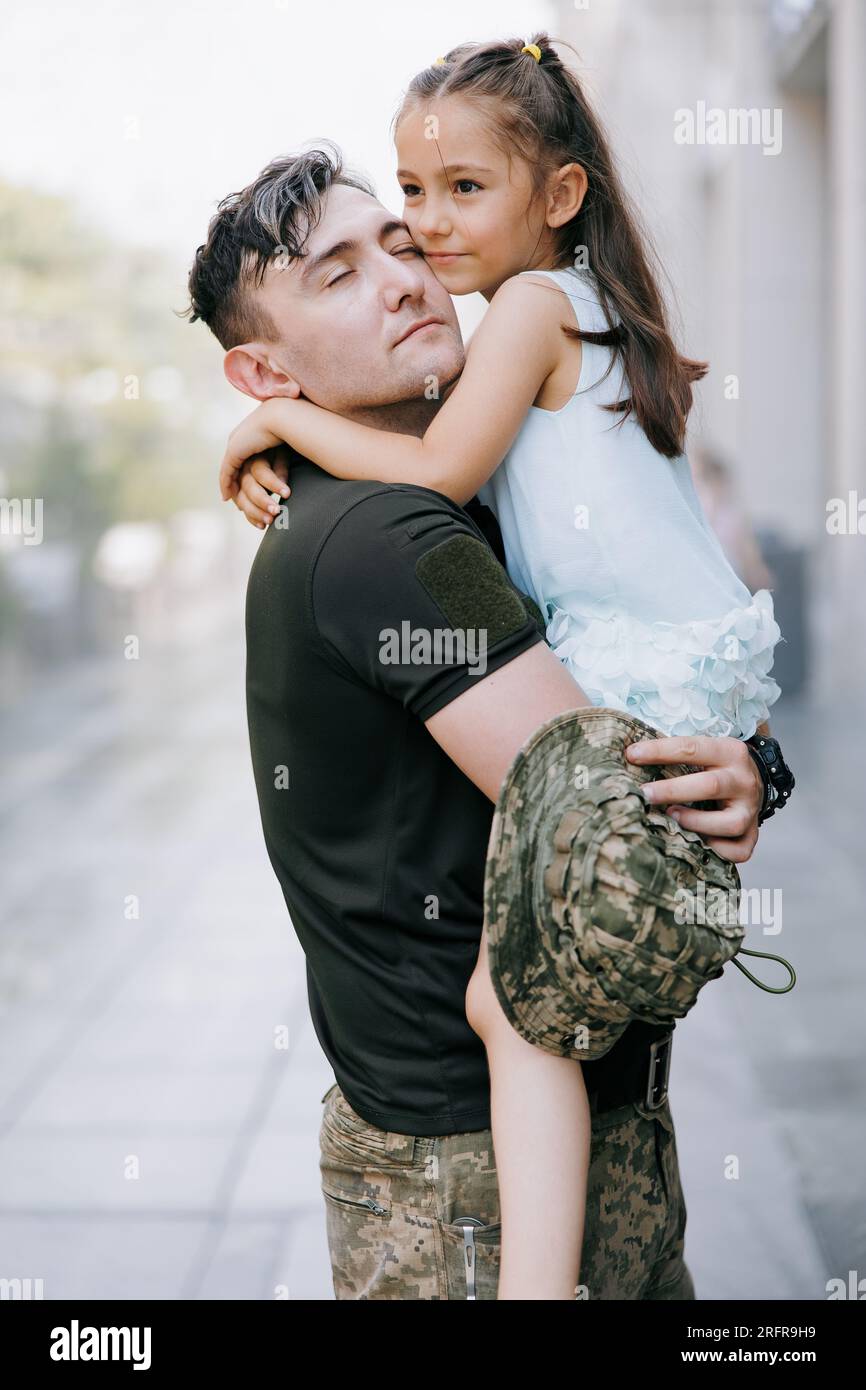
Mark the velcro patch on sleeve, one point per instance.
(466, 580)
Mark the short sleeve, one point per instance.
(407, 597)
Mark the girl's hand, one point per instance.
(252, 436)
(258, 479)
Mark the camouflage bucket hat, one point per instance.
(600, 908)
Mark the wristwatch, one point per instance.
(777, 777)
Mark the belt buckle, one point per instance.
(660, 1060)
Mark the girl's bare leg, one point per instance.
(540, 1121)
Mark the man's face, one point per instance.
(345, 313)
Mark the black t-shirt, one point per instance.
(378, 840)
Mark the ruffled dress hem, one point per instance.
(710, 676)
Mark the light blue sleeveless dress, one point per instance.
(610, 539)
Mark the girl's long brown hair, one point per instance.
(539, 110)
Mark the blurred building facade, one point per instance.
(741, 126)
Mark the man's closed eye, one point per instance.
(401, 250)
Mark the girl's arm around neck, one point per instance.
(513, 351)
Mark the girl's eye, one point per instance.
(411, 190)
(337, 278)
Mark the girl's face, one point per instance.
(475, 219)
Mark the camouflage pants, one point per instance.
(413, 1217)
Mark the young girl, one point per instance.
(569, 422)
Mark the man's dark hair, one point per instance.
(275, 214)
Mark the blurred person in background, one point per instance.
(715, 485)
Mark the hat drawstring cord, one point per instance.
(767, 955)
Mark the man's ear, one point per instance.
(252, 369)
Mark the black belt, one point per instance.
(635, 1069)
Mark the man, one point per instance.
(393, 673)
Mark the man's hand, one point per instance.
(484, 727)
(728, 775)
(257, 481)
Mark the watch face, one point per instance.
(780, 780)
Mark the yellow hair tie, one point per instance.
(533, 49)
(437, 63)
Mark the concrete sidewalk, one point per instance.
(155, 1143)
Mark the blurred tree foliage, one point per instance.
(112, 408)
(103, 388)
